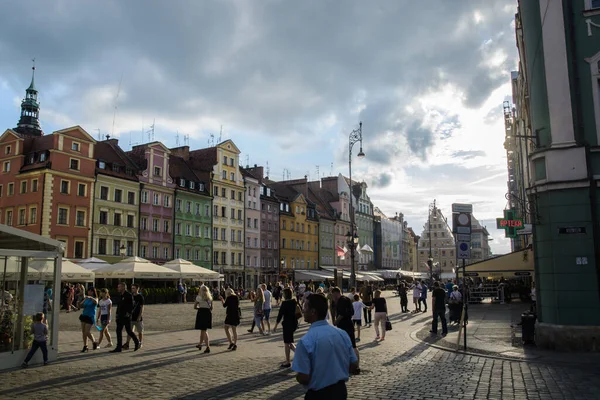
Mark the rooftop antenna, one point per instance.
(268, 170)
(177, 139)
(211, 140)
(151, 132)
(331, 171)
(289, 175)
(318, 176)
(116, 99)
(247, 160)
(186, 139)
(220, 134)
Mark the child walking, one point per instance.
(39, 329)
(356, 319)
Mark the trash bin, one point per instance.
(528, 327)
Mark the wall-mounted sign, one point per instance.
(510, 223)
(572, 230)
(522, 273)
(471, 274)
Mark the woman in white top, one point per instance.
(204, 316)
(104, 316)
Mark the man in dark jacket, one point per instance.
(123, 314)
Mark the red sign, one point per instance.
(511, 223)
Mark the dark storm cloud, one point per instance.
(273, 66)
(382, 181)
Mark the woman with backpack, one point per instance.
(288, 313)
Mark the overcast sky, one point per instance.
(288, 81)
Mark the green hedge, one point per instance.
(159, 295)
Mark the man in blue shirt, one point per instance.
(324, 357)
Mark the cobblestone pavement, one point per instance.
(168, 366)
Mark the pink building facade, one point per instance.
(156, 202)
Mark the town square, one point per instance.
(285, 200)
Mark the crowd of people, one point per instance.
(336, 319)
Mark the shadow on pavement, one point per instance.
(232, 388)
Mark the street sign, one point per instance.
(461, 237)
(471, 274)
(462, 223)
(462, 208)
(572, 230)
(463, 250)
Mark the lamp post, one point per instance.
(281, 265)
(430, 260)
(352, 239)
(355, 137)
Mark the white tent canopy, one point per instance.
(69, 271)
(12, 265)
(91, 263)
(135, 268)
(188, 270)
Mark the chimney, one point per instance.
(183, 152)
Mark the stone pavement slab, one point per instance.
(168, 366)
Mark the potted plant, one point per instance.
(27, 335)
(7, 326)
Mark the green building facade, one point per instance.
(192, 226)
(559, 47)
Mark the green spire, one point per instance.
(32, 85)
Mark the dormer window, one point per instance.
(157, 171)
(101, 164)
(201, 187)
(42, 157)
(129, 171)
(268, 192)
(31, 159)
(182, 182)
(116, 168)
(191, 185)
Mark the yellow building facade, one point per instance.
(299, 231)
(228, 208)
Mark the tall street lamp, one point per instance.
(355, 137)
(430, 260)
(281, 263)
(352, 239)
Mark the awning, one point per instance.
(309, 274)
(517, 263)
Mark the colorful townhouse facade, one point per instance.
(270, 259)
(253, 266)
(222, 161)
(156, 201)
(47, 181)
(340, 200)
(299, 229)
(116, 203)
(192, 236)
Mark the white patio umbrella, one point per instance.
(91, 263)
(366, 248)
(13, 269)
(189, 270)
(69, 270)
(135, 267)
